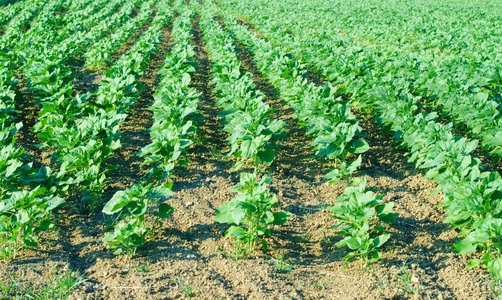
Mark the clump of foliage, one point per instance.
(363, 218)
(250, 211)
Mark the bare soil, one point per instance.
(191, 250)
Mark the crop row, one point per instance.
(471, 198)
(8, 12)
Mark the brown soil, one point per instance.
(25, 138)
(139, 120)
(191, 248)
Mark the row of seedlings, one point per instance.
(464, 90)
(88, 139)
(337, 134)
(251, 139)
(9, 12)
(27, 195)
(25, 213)
(14, 28)
(26, 198)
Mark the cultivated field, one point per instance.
(233, 149)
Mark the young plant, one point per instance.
(487, 240)
(250, 211)
(185, 287)
(281, 265)
(60, 285)
(134, 203)
(344, 172)
(410, 283)
(363, 220)
(23, 215)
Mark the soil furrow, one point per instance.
(206, 156)
(135, 128)
(26, 138)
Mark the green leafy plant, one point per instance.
(305, 237)
(251, 213)
(134, 203)
(23, 215)
(487, 239)
(344, 172)
(363, 220)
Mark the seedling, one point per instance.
(305, 237)
(281, 265)
(23, 216)
(407, 278)
(250, 211)
(58, 286)
(186, 288)
(131, 233)
(362, 217)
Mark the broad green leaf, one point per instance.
(380, 240)
(165, 211)
(116, 203)
(266, 157)
(464, 246)
(281, 217)
(236, 232)
(354, 243)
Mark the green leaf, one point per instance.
(360, 146)
(138, 208)
(248, 148)
(465, 246)
(354, 243)
(55, 202)
(116, 203)
(160, 192)
(31, 241)
(165, 210)
(380, 240)
(266, 157)
(45, 225)
(264, 245)
(281, 217)
(473, 263)
(495, 267)
(374, 255)
(225, 217)
(22, 216)
(237, 232)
